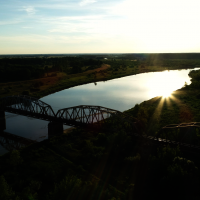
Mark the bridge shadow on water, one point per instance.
(14, 142)
(90, 117)
(84, 116)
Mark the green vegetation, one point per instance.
(83, 164)
(88, 165)
(181, 107)
(48, 74)
(18, 69)
(40, 76)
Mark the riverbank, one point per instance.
(42, 87)
(143, 115)
(109, 165)
(94, 76)
(182, 106)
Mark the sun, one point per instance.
(163, 84)
(166, 95)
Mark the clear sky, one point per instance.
(99, 26)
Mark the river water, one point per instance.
(119, 94)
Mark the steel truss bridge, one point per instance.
(94, 117)
(97, 117)
(186, 135)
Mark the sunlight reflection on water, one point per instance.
(120, 94)
(163, 84)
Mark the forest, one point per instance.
(105, 165)
(18, 69)
(113, 165)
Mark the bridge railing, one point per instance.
(184, 133)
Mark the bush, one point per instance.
(26, 92)
(15, 158)
(133, 159)
(5, 190)
(67, 188)
(7, 90)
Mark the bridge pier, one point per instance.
(2, 120)
(55, 129)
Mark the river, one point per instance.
(119, 94)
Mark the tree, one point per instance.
(5, 190)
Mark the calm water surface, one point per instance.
(119, 94)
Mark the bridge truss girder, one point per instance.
(95, 117)
(81, 116)
(28, 106)
(180, 133)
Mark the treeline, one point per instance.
(122, 64)
(195, 81)
(84, 165)
(167, 61)
(155, 56)
(16, 69)
(173, 55)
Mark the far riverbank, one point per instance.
(42, 87)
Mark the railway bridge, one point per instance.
(88, 116)
(186, 135)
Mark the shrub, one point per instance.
(15, 158)
(133, 159)
(26, 92)
(5, 190)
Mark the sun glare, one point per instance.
(163, 84)
(167, 94)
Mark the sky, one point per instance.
(99, 26)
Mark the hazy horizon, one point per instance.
(84, 26)
(97, 53)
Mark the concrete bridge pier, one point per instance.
(2, 120)
(55, 129)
